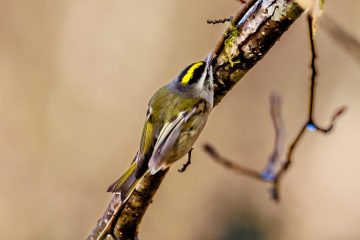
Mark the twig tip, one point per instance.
(210, 149)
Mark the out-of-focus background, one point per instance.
(75, 79)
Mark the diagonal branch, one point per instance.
(257, 26)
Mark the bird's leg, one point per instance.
(188, 162)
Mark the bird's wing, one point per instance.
(148, 141)
(168, 137)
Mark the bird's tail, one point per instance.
(126, 184)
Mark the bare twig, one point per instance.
(270, 174)
(279, 128)
(230, 164)
(223, 20)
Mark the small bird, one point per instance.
(175, 117)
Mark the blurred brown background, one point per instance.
(75, 78)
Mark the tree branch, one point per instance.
(256, 27)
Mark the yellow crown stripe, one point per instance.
(185, 80)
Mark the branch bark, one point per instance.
(254, 30)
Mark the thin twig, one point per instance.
(279, 128)
(230, 164)
(223, 20)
